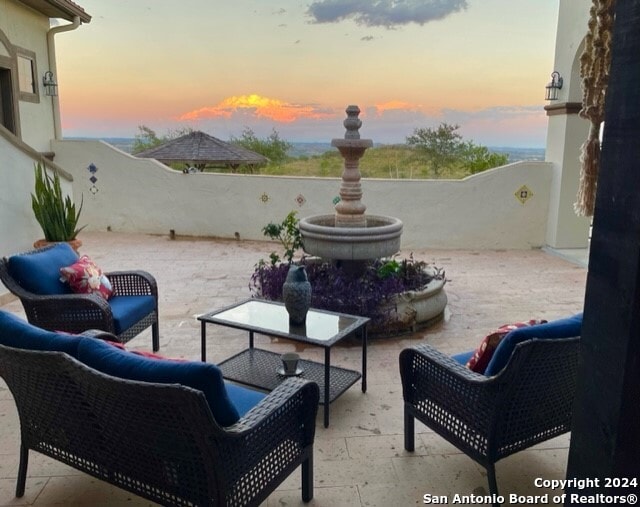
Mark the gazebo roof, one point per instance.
(200, 148)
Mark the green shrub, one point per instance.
(56, 214)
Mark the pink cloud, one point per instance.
(260, 107)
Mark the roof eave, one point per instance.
(65, 9)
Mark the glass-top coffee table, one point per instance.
(259, 368)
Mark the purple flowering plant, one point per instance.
(336, 289)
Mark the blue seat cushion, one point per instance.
(18, 333)
(463, 357)
(204, 377)
(40, 272)
(242, 398)
(561, 328)
(128, 310)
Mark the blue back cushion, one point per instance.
(40, 272)
(204, 377)
(561, 328)
(129, 310)
(18, 333)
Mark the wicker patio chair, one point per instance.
(159, 441)
(75, 313)
(490, 418)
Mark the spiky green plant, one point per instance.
(55, 213)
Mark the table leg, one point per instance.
(203, 341)
(250, 339)
(364, 358)
(327, 381)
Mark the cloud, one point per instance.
(501, 125)
(367, 38)
(387, 13)
(259, 107)
(498, 113)
(394, 105)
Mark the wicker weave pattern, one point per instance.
(75, 313)
(489, 418)
(256, 367)
(158, 441)
(133, 283)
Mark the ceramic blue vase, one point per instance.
(296, 294)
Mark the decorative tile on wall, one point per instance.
(336, 200)
(93, 178)
(523, 194)
(264, 198)
(300, 200)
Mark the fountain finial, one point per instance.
(352, 123)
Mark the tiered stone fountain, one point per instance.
(352, 238)
(349, 234)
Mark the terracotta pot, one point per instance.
(74, 243)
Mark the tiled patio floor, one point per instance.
(359, 459)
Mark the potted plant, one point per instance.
(56, 213)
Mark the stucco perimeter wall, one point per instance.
(138, 195)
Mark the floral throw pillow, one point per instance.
(84, 277)
(483, 354)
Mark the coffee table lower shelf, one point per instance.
(258, 368)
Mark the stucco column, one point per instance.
(566, 132)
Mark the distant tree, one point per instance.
(480, 158)
(272, 147)
(147, 138)
(443, 147)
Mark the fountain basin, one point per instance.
(415, 309)
(380, 237)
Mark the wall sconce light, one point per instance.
(553, 86)
(50, 85)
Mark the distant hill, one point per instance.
(310, 149)
(518, 154)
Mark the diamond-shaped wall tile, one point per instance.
(265, 197)
(92, 168)
(336, 200)
(93, 179)
(300, 200)
(523, 194)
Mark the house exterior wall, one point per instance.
(21, 28)
(18, 227)
(27, 29)
(142, 195)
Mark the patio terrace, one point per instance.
(359, 459)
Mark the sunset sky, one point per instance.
(294, 65)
